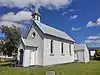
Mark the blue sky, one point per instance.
(80, 19)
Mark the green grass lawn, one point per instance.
(92, 68)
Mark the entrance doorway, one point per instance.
(32, 58)
(21, 56)
(81, 56)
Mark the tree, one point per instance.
(12, 40)
(1, 46)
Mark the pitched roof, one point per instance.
(79, 47)
(29, 43)
(52, 31)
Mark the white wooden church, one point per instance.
(45, 45)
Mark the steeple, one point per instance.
(36, 14)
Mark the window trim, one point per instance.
(33, 34)
(70, 49)
(62, 49)
(37, 18)
(51, 48)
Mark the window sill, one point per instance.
(62, 54)
(51, 54)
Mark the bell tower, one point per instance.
(36, 14)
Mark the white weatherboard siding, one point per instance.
(75, 56)
(26, 60)
(38, 40)
(57, 58)
(81, 53)
(86, 54)
(30, 56)
(81, 56)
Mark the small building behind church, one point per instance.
(81, 53)
(45, 45)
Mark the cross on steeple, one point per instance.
(36, 14)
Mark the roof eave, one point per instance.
(60, 37)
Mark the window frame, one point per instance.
(70, 48)
(62, 49)
(37, 18)
(33, 34)
(51, 48)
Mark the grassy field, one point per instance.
(92, 68)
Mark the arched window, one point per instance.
(70, 48)
(37, 18)
(51, 47)
(62, 48)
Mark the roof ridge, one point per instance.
(53, 27)
(56, 31)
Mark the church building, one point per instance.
(45, 45)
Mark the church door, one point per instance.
(81, 56)
(32, 58)
(21, 56)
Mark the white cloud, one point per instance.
(10, 24)
(76, 29)
(73, 17)
(64, 13)
(44, 3)
(97, 41)
(99, 34)
(93, 37)
(11, 18)
(71, 10)
(90, 24)
(88, 41)
(92, 41)
(94, 24)
(21, 15)
(98, 21)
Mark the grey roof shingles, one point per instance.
(53, 31)
(28, 42)
(79, 47)
(50, 30)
